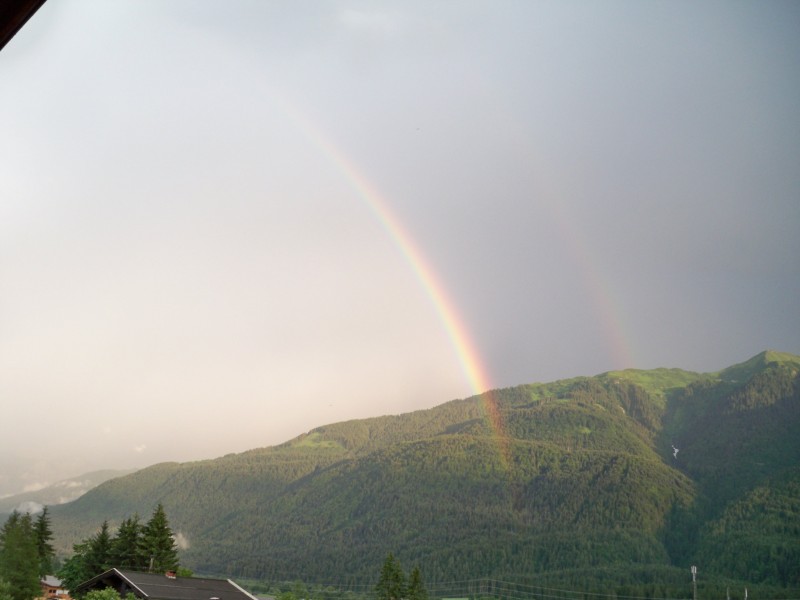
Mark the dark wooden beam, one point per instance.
(13, 15)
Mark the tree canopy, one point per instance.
(44, 548)
(158, 543)
(583, 484)
(19, 557)
(149, 547)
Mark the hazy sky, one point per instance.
(225, 223)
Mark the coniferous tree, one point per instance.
(75, 569)
(98, 555)
(158, 543)
(5, 590)
(44, 535)
(89, 558)
(126, 546)
(19, 564)
(135, 546)
(416, 588)
(392, 584)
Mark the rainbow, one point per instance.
(608, 309)
(463, 344)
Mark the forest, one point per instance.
(610, 484)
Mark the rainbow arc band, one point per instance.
(465, 348)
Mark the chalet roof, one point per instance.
(51, 580)
(154, 586)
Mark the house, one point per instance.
(154, 586)
(52, 589)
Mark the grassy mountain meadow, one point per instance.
(578, 484)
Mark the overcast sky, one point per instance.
(225, 223)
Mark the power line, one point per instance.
(483, 588)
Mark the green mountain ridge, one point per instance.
(577, 479)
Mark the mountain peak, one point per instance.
(743, 371)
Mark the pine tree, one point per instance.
(126, 546)
(98, 556)
(392, 584)
(44, 535)
(416, 589)
(158, 543)
(19, 564)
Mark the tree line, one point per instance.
(394, 585)
(26, 555)
(590, 485)
(135, 546)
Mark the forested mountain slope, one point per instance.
(574, 480)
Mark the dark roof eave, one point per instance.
(90, 582)
(13, 15)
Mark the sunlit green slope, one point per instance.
(578, 479)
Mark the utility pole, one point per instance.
(694, 582)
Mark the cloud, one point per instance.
(372, 23)
(71, 483)
(70, 497)
(35, 487)
(139, 449)
(30, 506)
(181, 541)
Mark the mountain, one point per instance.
(60, 492)
(622, 480)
